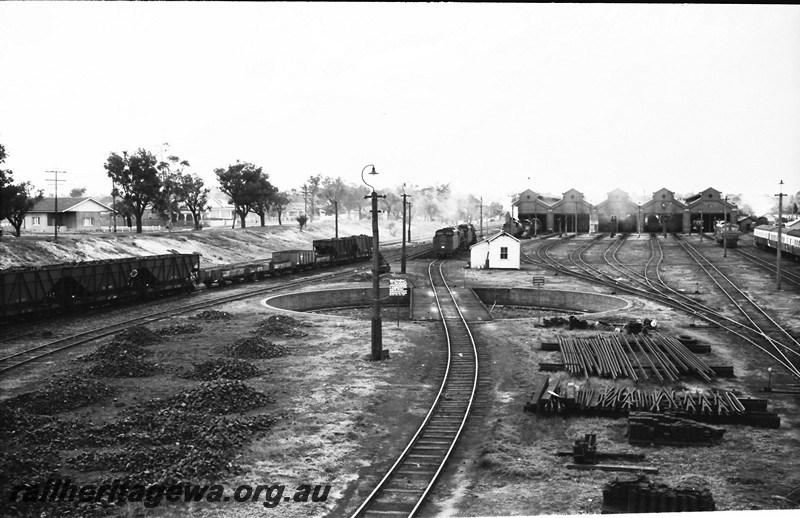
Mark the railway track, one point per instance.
(786, 274)
(204, 300)
(32, 329)
(657, 289)
(407, 483)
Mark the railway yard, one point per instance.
(681, 393)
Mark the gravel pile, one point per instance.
(18, 464)
(211, 314)
(138, 335)
(180, 329)
(125, 365)
(172, 444)
(115, 349)
(159, 441)
(256, 348)
(213, 397)
(61, 394)
(280, 325)
(223, 368)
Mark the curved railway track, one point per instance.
(13, 361)
(657, 289)
(786, 274)
(208, 298)
(406, 484)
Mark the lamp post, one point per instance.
(377, 339)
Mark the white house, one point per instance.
(72, 213)
(499, 251)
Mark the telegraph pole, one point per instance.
(702, 223)
(724, 228)
(55, 182)
(409, 221)
(114, 203)
(403, 256)
(336, 216)
(481, 217)
(780, 223)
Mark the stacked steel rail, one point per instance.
(716, 406)
(646, 286)
(406, 484)
(610, 356)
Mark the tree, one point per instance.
(313, 184)
(333, 190)
(242, 183)
(6, 181)
(264, 197)
(138, 179)
(171, 171)
(393, 204)
(280, 201)
(193, 193)
(77, 192)
(17, 201)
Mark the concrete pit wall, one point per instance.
(329, 299)
(360, 297)
(553, 299)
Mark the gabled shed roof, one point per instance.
(67, 205)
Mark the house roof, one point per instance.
(492, 238)
(67, 205)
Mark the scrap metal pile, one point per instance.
(639, 495)
(714, 406)
(616, 356)
(649, 428)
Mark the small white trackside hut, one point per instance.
(501, 251)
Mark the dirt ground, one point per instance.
(341, 419)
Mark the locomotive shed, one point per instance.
(348, 418)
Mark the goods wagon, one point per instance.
(62, 288)
(292, 260)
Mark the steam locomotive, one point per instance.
(448, 241)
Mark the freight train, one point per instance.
(727, 232)
(448, 241)
(766, 238)
(68, 287)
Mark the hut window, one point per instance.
(503, 252)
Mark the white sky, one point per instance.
(591, 96)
